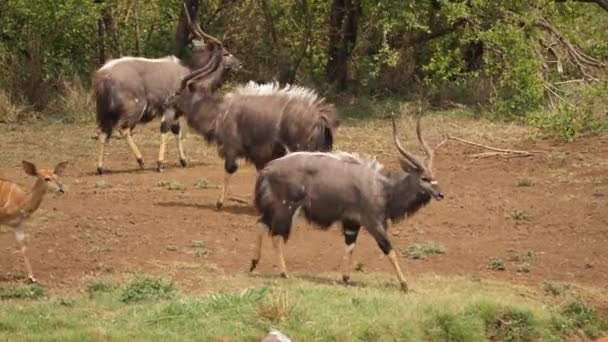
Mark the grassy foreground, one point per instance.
(437, 308)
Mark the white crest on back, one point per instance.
(354, 158)
(268, 89)
(111, 63)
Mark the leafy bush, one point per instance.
(147, 288)
(579, 315)
(587, 113)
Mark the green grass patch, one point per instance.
(437, 309)
(143, 288)
(521, 215)
(496, 264)
(423, 250)
(33, 291)
(172, 185)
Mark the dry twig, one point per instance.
(505, 153)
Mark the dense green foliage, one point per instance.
(514, 58)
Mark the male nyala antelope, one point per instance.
(16, 205)
(132, 90)
(341, 187)
(258, 122)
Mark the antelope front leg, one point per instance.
(160, 163)
(230, 167)
(379, 234)
(257, 255)
(20, 236)
(392, 256)
(127, 133)
(351, 231)
(177, 131)
(220, 201)
(102, 137)
(166, 123)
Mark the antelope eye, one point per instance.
(47, 179)
(426, 179)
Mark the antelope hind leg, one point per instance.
(129, 137)
(20, 236)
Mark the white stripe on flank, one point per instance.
(113, 62)
(8, 197)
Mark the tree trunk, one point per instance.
(182, 31)
(343, 27)
(111, 32)
(101, 43)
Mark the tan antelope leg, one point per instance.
(220, 201)
(351, 231)
(180, 149)
(101, 142)
(127, 134)
(277, 243)
(348, 262)
(257, 254)
(20, 236)
(161, 151)
(392, 256)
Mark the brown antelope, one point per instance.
(16, 205)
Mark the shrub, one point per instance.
(73, 104)
(446, 326)
(588, 112)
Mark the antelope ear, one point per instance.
(29, 168)
(407, 166)
(60, 167)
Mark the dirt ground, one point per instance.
(553, 207)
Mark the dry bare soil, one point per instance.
(546, 214)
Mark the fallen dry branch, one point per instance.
(501, 152)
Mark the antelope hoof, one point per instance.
(219, 205)
(32, 280)
(160, 166)
(254, 264)
(140, 161)
(404, 287)
(183, 162)
(284, 275)
(346, 279)
(100, 171)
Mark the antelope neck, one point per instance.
(34, 197)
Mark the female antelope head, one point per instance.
(50, 177)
